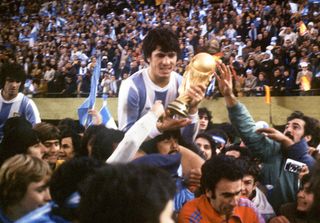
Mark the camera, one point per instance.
(293, 166)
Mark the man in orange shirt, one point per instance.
(220, 202)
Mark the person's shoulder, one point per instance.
(138, 74)
(246, 208)
(176, 76)
(189, 208)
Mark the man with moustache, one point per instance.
(12, 102)
(269, 145)
(221, 182)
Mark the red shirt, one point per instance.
(199, 210)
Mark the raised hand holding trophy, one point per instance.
(199, 71)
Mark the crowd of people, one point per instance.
(166, 161)
(274, 43)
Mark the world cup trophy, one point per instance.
(198, 71)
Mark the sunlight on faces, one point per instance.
(167, 145)
(204, 146)
(11, 88)
(162, 63)
(52, 149)
(203, 122)
(248, 186)
(295, 129)
(37, 150)
(67, 151)
(305, 198)
(227, 195)
(37, 195)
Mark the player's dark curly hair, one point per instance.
(161, 37)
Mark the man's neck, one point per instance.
(161, 82)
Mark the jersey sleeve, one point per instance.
(128, 105)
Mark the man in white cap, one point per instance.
(304, 79)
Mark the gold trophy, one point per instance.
(199, 71)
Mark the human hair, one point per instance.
(252, 169)
(103, 144)
(12, 71)
(47, 131)
(89, 135)
(161, 37)
(245, 153)
(66, 180)
(217, 168)
(71, 124)
(126, 193)
(18, 137)
(312, 127)
(150, 146)
(17, 173)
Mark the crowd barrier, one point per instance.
(275, 113)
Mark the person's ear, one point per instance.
(208, 193)
(308, 138)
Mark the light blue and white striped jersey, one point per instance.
(137, 95)
(19, 106)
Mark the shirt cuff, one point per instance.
(194, 118)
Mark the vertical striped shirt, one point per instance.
(21, 105)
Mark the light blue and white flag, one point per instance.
(34, 34)
(84, 118)
(106, 116)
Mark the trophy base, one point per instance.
(178, 108)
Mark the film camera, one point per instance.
(293, 166)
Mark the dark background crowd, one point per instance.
(274, 43)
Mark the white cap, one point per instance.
(310, 24)
(303, 64)
(270, 47)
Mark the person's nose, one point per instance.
(234, 200)
(15, 84)
(47, 196)
(300, 194)
(174, 144)
(166, 60)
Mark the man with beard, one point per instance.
(221, 182)
(269, 145)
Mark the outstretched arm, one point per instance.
(135, 136)
(225, 84)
